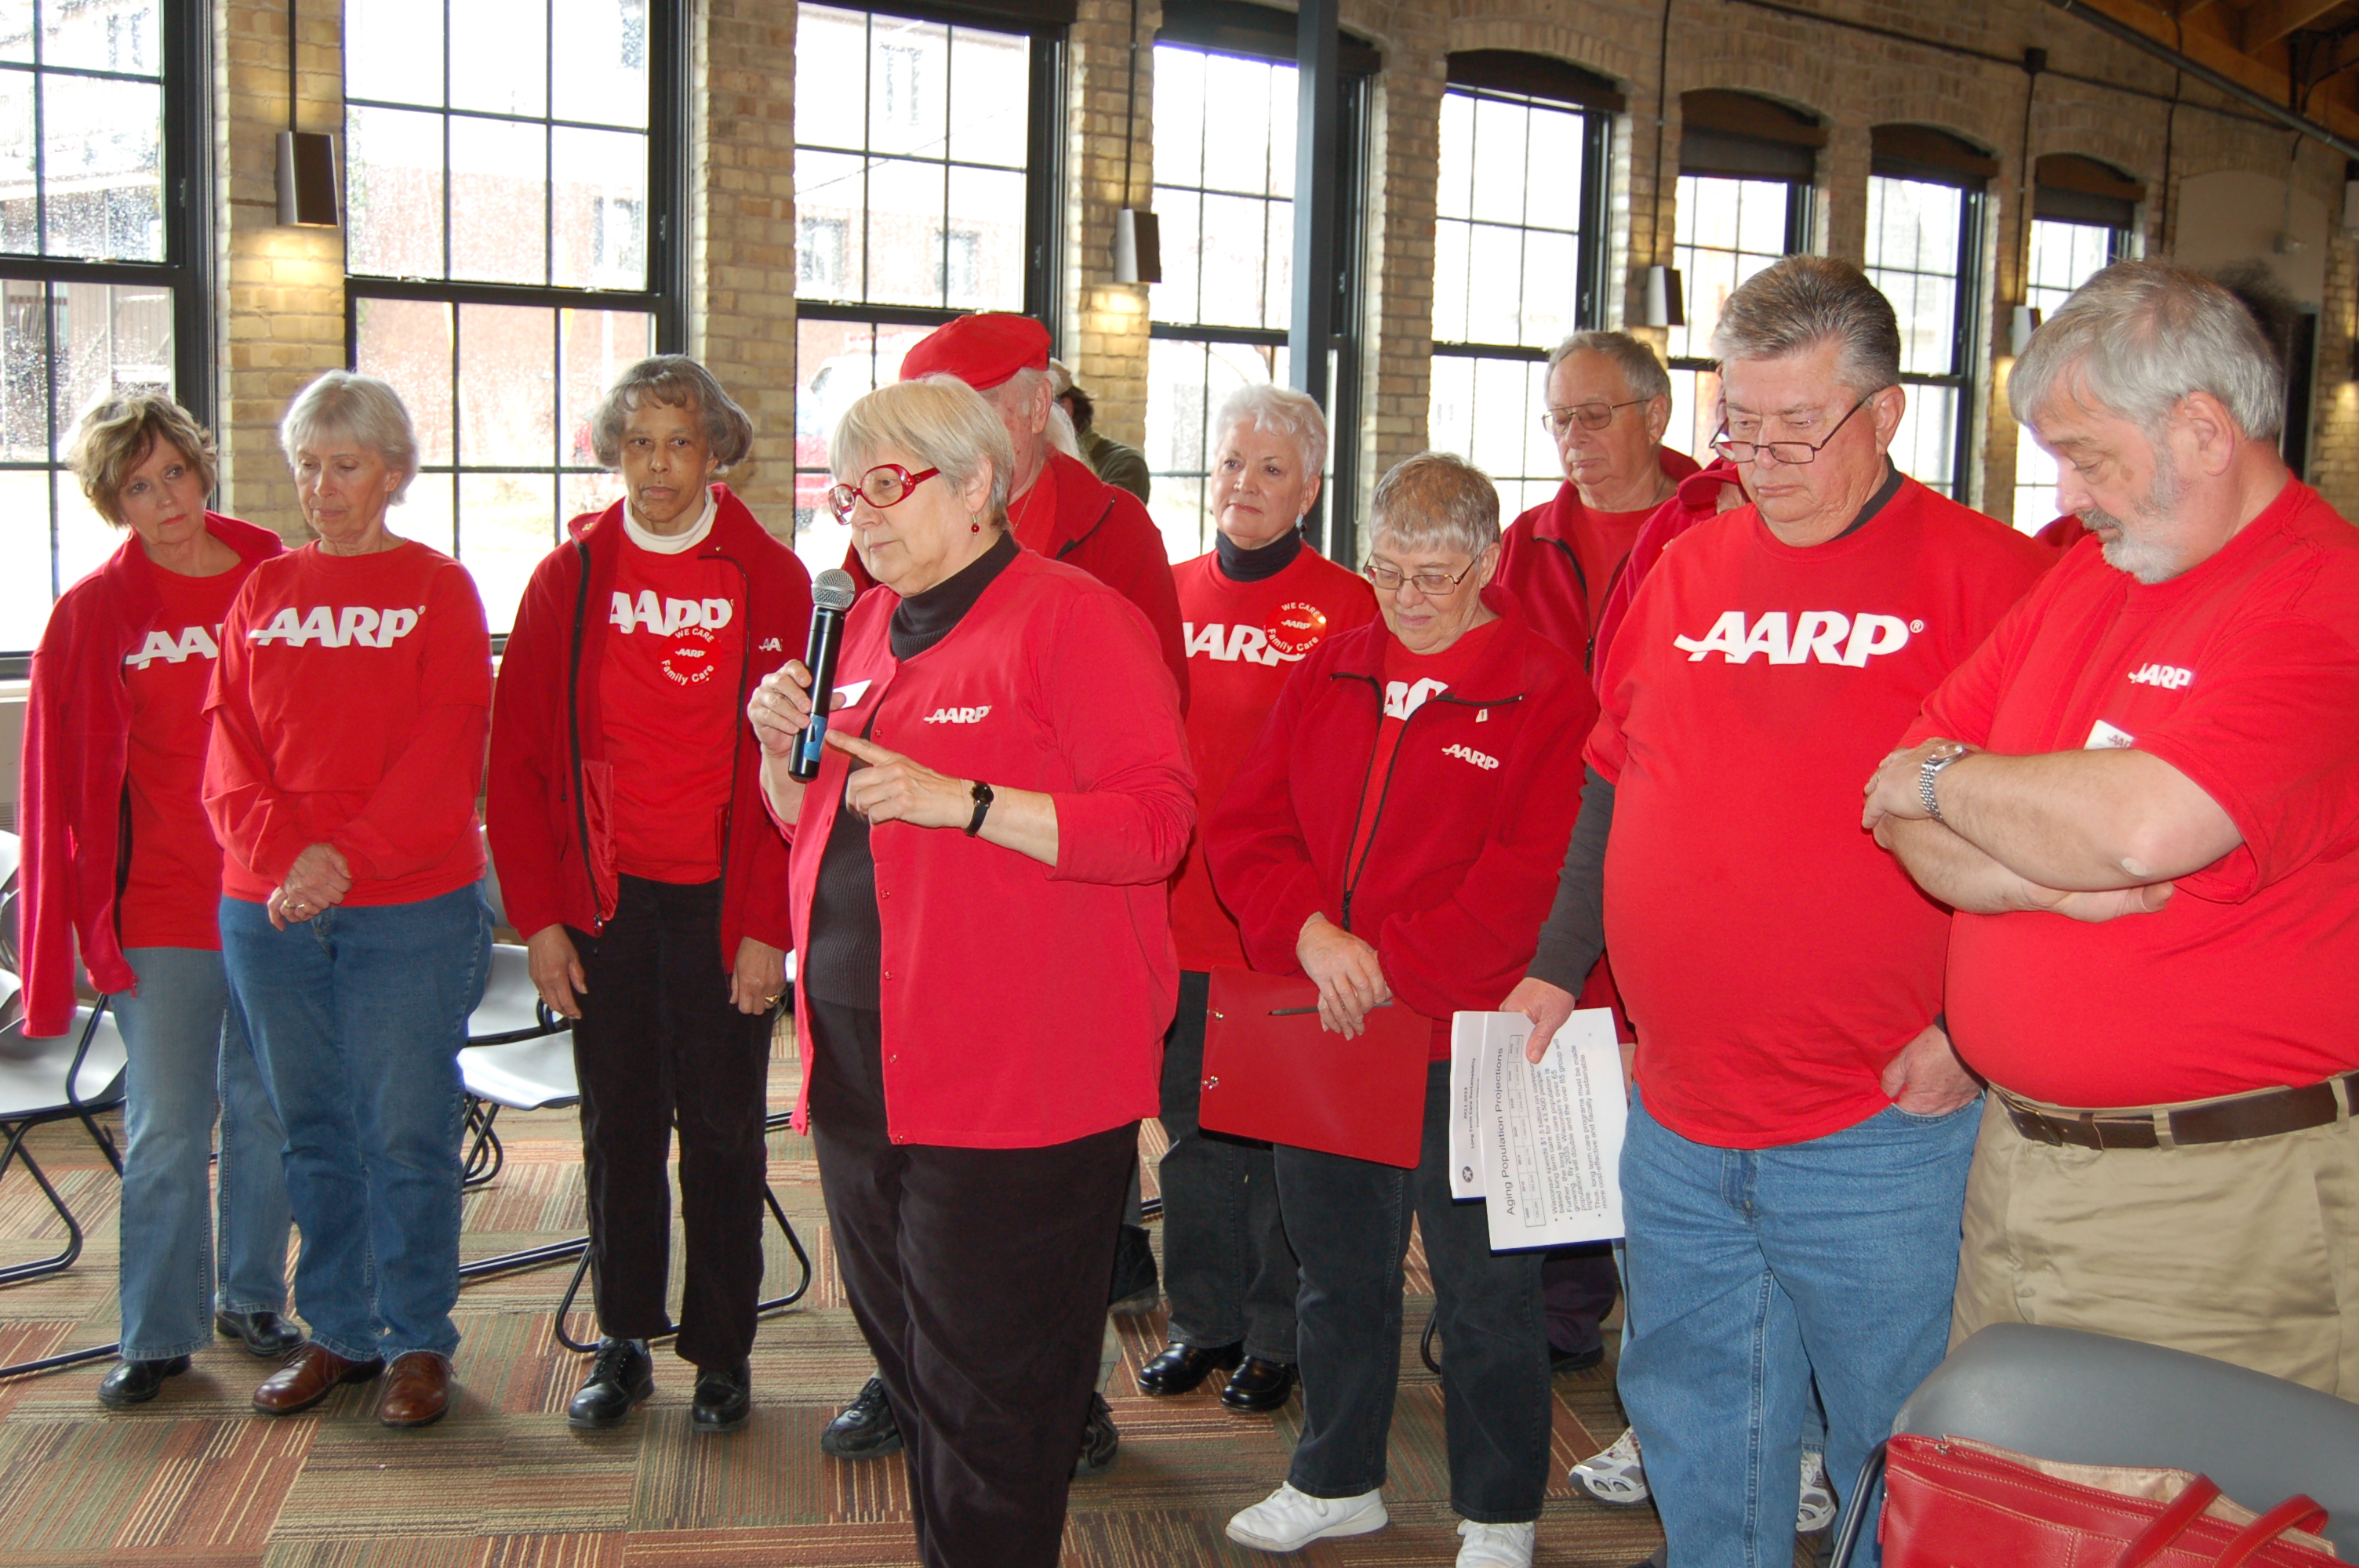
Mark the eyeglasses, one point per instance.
(1433, 585)
(886, 484)
(1795, 452)
(1589, 416)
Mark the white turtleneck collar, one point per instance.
(672, 544)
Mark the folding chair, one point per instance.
(2090, 1398)
(511, 1013)
(72, 1077)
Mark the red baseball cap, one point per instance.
(981, 349)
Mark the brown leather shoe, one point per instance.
(417, 1390)
(308, 1376)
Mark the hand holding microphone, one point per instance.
(781, 708)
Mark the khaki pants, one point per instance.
(2246, 1252)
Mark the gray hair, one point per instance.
(2140, 336)
(1801, 301)
(1641, 371)
(358, 409)
(938, 419)
(675, 381)
(1436, 498)
(1280, 411)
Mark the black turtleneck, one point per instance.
(1239, 564)
(842, 959)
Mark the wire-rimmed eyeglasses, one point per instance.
(1588, 416)
(1794, 452)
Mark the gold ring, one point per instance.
(771, 1000)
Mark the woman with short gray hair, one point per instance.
(348, 720)
(1254, 606)
(1394, 836)
(635, 857)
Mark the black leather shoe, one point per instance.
(1575, 1360)
(136, 1382)
(1258, 1386)
(1136, 1287)
(724, 1399)
(265, 1334)
(864, 1429)
(1100, 1440)
(1180, 1368)
(620, 1379)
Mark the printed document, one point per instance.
(1541, 1145)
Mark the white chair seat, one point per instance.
(33, 1072)
(527, 1075)
(510, 1004)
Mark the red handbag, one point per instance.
(1951, 1502)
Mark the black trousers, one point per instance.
(978, 1278)
(660, 1043)
(1583, 1286)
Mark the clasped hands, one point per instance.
(1350, 979)
(318, 880)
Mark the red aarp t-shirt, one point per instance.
(171, 887)
(1243, 639)
(675, 641)
(2243, 674)
(1773, 957)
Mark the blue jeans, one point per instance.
(189, 1055)
(1751, 1272)
(358, 1015)
(1349, 1220)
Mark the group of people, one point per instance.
(1980, 922)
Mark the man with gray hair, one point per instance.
(1609, 401)
(1800, 1130)
(2158, 746)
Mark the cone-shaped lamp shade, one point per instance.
(1138, 247)
(306, 179)
(1664, 305)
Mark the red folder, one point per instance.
(1271, 1072)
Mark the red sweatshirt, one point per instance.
(1023, 1005)
(77, 726)
(350, 710)
(1462, 862)
(1107, 533)
(552, 789)
(1244, 639)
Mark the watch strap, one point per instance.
(1926, 772)
(981, 792)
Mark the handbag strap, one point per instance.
(2170, 1524)
(2296, 1512)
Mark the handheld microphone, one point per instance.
(831, 595)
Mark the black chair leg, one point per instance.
(485, 1153)
(775, 1304)
(19, 1272)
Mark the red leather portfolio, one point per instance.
(1271, 1072)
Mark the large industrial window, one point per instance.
(1745, 199)
(1519, 256)
(2083, 217)
(1224, 166)
(1924, 251)
(925, 181)
(101, 114)
(512, 242)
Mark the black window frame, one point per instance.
(665, 298)
(1738, 136)
(1971, 178)
(1254, 32)
(1536, 81)
(185, 70)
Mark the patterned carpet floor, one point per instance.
(195, 1479)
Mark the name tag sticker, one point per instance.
(849, 695)
(2104, 737)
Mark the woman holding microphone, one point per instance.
(349, 716)
(1004, 773)
(635, 853)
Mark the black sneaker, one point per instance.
(1136, 1287)
(620, 1379)
(864, 1429)
(1100, 1440)
(724, 1399)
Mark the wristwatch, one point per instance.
(981, 794)
(1929, 770)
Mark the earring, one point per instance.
(974, 527)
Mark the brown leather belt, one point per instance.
(2229, 1120)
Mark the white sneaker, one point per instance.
(1495, 1545)
(1818, 1506)
(1614, 1475)
(1288, 1520)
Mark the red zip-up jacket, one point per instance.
(547, 809)
(1697, 498)
(1560, 567)
(1107, 533)
(1023, 1005)
(69, 801)
(1461, 865)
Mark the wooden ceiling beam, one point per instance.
(2266, 21)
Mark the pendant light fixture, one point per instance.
(307, 160)
(1137, 236)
